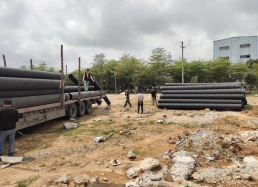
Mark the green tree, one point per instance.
(220, 70)
(251, 62)
(98, 61)
(250, 79)
(238, 71)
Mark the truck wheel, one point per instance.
(71, 112)
(81, 109)
(88, 107)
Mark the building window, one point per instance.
(244, 56)
(245, 45)
(226, 57)
(224, 48)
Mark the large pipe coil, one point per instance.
(9, 83)
(194, 84)
(75, 95)
(201, 87)
(200, 106)
(203, 96)
(24, 102)
(218, 91)
(21, 73)
(222, 101)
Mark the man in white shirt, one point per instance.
(140, 97)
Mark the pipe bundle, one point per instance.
(29, 88)
(198, 96)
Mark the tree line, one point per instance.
(129, 72)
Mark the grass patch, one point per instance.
(27, 182)
(46, 145)
(138, 152)
(231, 122)
(248, 107)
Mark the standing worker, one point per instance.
(9, 118)
(127, 97)
(140, 97)
(153, 96)
(86, 79)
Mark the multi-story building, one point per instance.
(236, 49)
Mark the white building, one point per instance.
(236, 49)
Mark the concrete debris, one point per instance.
(144, 165)
(131, 155)
(160, 121)
(253, 123)
(80, 180)
(70, 125)
(94, 179)
(96, 119)
(246, 134)
(167, 154)
(167, 176)
(66, 178)
(149, 179)
(183, 167)
(252, 138)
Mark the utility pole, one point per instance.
(4, 60)
(31, 66)
(62, 77)
(182, 46)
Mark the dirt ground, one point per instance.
(51, 151)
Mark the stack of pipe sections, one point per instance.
(29, 88)
(199, 96)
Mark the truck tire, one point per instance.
(81, 109)
(88, 107)
(71, 112)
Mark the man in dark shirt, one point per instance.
(127, 98)
(153, 96)
(9, 118)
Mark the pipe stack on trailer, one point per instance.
(198, 96)
(29, 88)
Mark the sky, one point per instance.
(36, 30)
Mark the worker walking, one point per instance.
(127, 98)
(153, 96)
(86, 79)
(9, 118)
(140, 97)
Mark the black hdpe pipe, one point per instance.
(203, 96)
(24, 93)
(24, 102)
(201, 87)
(9, 83)
(94, 83)
(219, 101)
(200, 106)
(74, 95)
(21, 73)
(193, 84)
(219, 91)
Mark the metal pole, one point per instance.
(182, 61)
(65, 75)
(31, 67)
(62, 77)
(4, 60)
(79, 81)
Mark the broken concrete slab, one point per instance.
(11, 159)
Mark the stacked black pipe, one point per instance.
(198, 96)
(29, 88)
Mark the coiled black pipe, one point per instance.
(203, 96)
(9, 83)
(201, 87)
(74, 95)
(24, 102)
(200, 106)
(194, 84)
(214, 91)
(222, 101)
(21, 73)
